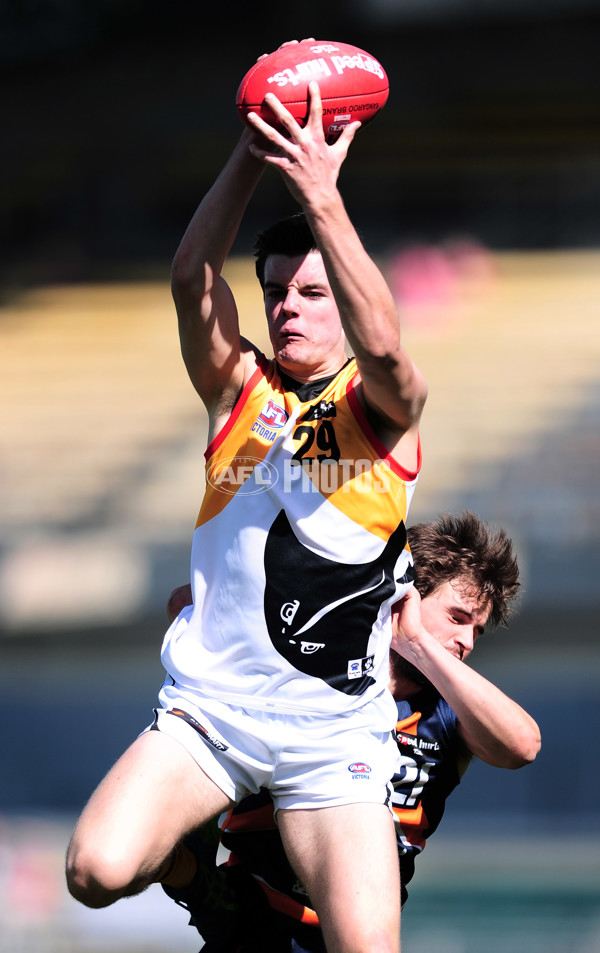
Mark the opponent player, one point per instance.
(466, 579)
(311, 466)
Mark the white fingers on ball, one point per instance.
(282, 114)
(344, 140)
(286, 43)
(267, 131)
(315, 105)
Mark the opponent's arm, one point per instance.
(492, 726)
(208, 321)
(393, 386)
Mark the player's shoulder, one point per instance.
(256, 364)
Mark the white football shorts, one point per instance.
(305, 760)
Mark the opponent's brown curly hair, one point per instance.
(463, 546)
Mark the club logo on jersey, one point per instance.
(245, 475)
(324, 408)
(288, 611)
(202, 731)
(271, 419)
(307, 648)
(359, 770)
(358, 667)
(326, 603)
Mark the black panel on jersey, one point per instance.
(308, 390)
(311, 586)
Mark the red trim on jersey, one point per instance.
(384, 453)
(220, 437)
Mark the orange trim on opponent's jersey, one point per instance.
(409, 725)
(284, 904)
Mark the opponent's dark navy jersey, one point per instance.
(431, 753)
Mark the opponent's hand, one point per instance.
(406, 622)
(309, 166)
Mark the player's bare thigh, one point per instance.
(151, 797)
(347, 859)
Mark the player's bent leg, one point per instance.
(154, 795)
(346, 858)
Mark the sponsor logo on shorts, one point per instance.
(359, 770)
(360, 666)
(202, 731)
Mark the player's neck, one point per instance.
(305, 375)
(405, 679)
(402, 688)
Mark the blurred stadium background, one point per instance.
(478, 190)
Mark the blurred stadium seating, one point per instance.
(103, 440)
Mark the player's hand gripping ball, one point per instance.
(353, 84)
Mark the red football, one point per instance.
(353, 84)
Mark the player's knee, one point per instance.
(364, 938)
(377, 942)
(95, 876)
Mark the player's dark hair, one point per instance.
(464, 547)
(291, 236)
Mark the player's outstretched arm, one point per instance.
(493, 726)
(393, 386)
(207, 313)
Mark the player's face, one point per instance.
(456, 616)
(303, 318)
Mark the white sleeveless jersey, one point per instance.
(298, 554)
